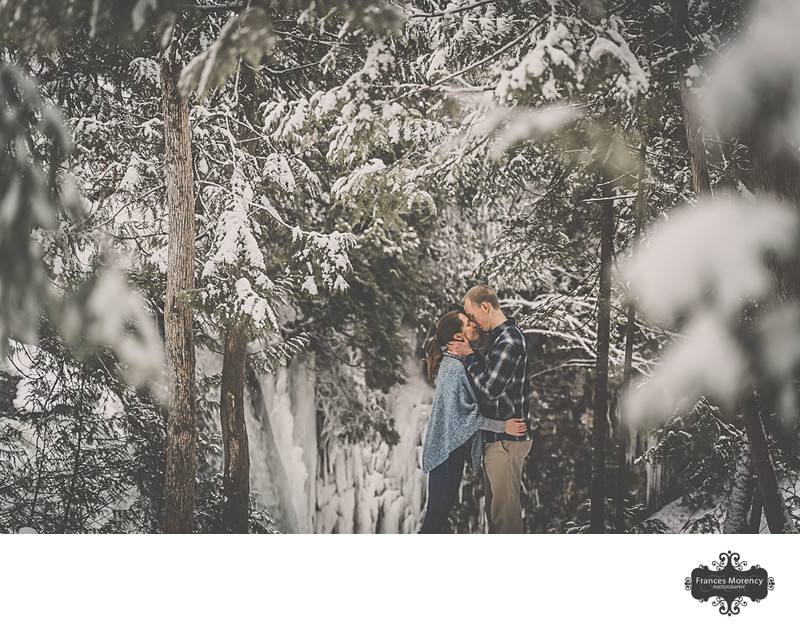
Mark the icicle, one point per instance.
(654, 476)
(633, 444)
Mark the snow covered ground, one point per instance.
(675, 515)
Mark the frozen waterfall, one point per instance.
(361, 488)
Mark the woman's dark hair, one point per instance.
(448, 326)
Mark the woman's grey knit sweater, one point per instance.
(455, 418)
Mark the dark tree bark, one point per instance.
(182, 421)
(236, 472)
(630, 331)
(236, 467)
(756, 510)
(775, 166)
(776, 172)
(621, 447)
(691, 114)
(741, 493)
(600, 419)
(774, 506)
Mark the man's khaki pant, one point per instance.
(502, 475)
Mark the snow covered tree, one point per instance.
(38, 202)
(123, 198)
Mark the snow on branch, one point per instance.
(568, 318)
(705, 266)
(451, 9)
(247, 35)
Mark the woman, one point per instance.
(452, 436)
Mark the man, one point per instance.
(502, 387)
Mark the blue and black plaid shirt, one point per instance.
(501, 380)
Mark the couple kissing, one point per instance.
(481, 409)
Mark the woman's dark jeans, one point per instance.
(443, 483)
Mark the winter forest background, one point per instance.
(227, 228)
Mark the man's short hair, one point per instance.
(482, 294)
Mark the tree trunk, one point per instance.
(236, 474)
(236, 467)
(182, 421)
(691, 115)
(775, 166)
(79, 415)
(755, 513)
(776, 172)
(771, 174)
(600, 421)
(630, 332)
(621, 487)
(774, 506)
(741, 493)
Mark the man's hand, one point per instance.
(459, 348)
(515, 427)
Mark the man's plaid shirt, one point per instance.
(501, 380)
